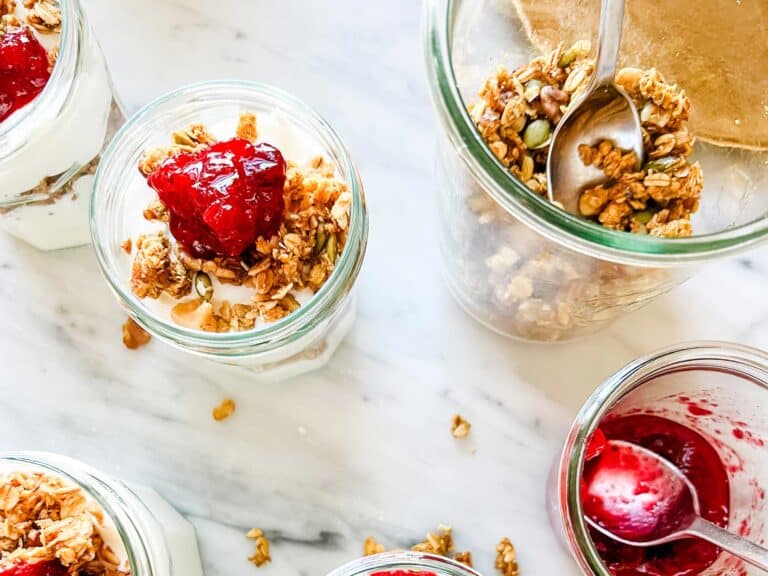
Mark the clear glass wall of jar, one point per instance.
(413, 563)
(49, 148)
(158, 541)
(516, 262)
(731, 381)
(303, 340)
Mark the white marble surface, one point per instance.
(377, 456)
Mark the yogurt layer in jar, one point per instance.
(231, 222)
(50, 140)
(63, 518)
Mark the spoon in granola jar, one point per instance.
(603, 112)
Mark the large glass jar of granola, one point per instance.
(97, 524)
(230, 221)
(404, 564)
(520, 264)
(50, 145)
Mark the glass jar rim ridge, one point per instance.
(735, 359)
(404, 560)
(55, 93)
(293, 326)
(536, 212)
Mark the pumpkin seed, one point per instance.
(203, 285)
(537, 134)
(665, 164)
(644, 216)
(331, 248)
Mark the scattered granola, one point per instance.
(506, 558)
(371, 547)
(440, 543)
(277, 273)
(134, 336)
(517, 113)
(261, 555)
(46, 519)
(464, 558)
(460, 427)
(224, 410)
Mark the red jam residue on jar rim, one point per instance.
(700, 463)
(403, 573)
(24, 70)
(223, 197)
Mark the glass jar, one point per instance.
(408, 562)
(158, 540)
(49, 148)
(719, 390)
(521, 265)
(303, 340)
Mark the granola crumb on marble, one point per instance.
(301, 255)
(224, 410)
(261, 554)
(371, 547)
(439, 542)
(460, 427)
(45, 518)
(506, 558)
(134, 336)
(517, 112)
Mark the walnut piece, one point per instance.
(506, 558)
(460, 427)
(371, 547)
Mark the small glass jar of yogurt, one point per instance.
(404, 564)
(146, 536)
(300, 341)
(50, 146)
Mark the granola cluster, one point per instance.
(43, 518)
(261, 554)
(460, 426)
(300, 257)
(517, 113)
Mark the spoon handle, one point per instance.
(736, 545)
(609, 41)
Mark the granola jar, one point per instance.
(157, 540)
(402, 563)
(49, 148)
(519, 264)
(716, 389)
(301, 341)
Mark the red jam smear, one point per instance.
(222, 198)
(23, 70)
(50, 568)
(700, 463)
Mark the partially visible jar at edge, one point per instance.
(50, 148)
(147, 536)
(404, 563)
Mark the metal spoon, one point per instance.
(603, 112)
(663, 501)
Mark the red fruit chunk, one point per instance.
(223, 197)
(23, 70)
(50, 568)
(595, 445)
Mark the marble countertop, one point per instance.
(382, 462)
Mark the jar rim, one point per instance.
(29, 115)
(106, 491)
(441, 565)
(537, 212)
(285, 330)
(741, 360)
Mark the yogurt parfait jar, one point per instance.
(520, 264)
(145, 536)
(404, 564)
(308, 325)
(49, 147)
(680, 402)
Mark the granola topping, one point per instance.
(517, 112)
(261, 554)
(268, 279)
(47, 520)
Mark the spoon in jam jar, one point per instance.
(603, 112)
(638, 498)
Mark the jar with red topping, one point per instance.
(701, 406)
(57, 111)
(112, 528)
(230, 221)
(404, 564)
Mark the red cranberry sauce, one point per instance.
(223, 197)
(23, 70)
(700, 463)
